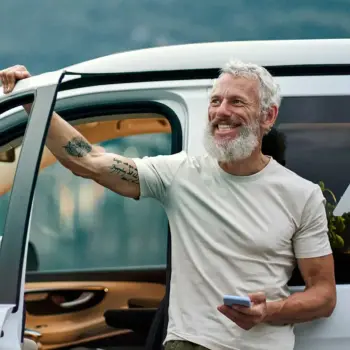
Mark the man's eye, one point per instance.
(215, 101)
(237, 102)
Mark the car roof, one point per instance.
(199, 56)
(214, 55)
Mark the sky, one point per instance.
(51, 34)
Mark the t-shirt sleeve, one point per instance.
(311, 240)
(157, 173)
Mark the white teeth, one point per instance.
(225, 127)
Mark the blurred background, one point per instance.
(48, 35)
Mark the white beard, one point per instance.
(227, 150)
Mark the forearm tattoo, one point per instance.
(78, 147)
(126, 171)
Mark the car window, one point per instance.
(77, 224)
(10, 149)
(8, 164)
(317, 130)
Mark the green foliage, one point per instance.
(336, 224)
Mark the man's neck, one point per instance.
(249, 166)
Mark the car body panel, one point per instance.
(202, 56)
(215, 55)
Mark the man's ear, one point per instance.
(269, 118)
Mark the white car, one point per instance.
(95, 275)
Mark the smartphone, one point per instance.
(230, 300)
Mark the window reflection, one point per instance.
(88, 226)
(318, 143)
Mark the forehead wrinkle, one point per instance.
(224, 86)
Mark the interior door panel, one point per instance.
(68, 313)
(55, 301)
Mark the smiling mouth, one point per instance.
(226, 127)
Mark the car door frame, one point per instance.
(13, 252)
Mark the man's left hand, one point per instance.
(247, 317)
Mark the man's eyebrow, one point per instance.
(217, 95)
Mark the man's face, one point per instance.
(233, 130)
(234, 103)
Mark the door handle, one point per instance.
(32, 335)
(84, 298)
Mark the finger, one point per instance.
(10, 76)
(4, 81)
(21, 74)
(249, 315)
(249, 311)
(19, 67)
(228, 312)
(241, 320)
(232, 314)
(257, 298)
(11, 81)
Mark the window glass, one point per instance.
(10, 149)
(78, 224)
(7, 171)
(317, 131)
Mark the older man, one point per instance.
(239, 220)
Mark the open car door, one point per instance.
(14, 243)
(123, 312)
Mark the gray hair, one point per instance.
(269, 89)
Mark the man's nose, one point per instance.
(223, 110)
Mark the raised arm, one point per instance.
(75, 153)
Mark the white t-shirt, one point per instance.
(232, 235)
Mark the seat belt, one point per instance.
(158, 330)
